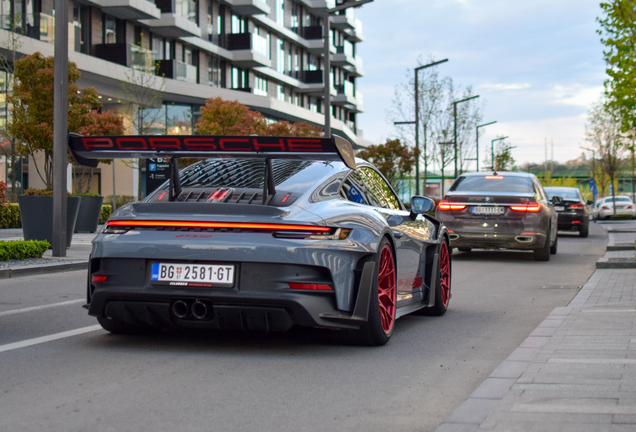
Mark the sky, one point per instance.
(537, 65)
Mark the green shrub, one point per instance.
(619, 217)
(107, 210)
(22, 249)
(10, 216)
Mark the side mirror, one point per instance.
(421, 205)
(557, 200)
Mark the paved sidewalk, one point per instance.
(575, 372)
(76, 256)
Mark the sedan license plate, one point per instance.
(488, 210)
(559, 208)
(198, 275)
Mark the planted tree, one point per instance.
(394, 160)
(32, 109)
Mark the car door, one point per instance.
(552, 222)
(411, 236)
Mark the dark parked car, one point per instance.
(266, 233)
(573, 212)
(500, 210)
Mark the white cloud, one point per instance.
(505, 86)
(577, 95)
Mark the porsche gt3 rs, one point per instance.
(265, 234)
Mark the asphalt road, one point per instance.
(303, 380)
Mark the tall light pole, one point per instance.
(417, 127)
(492, 151)
(326, 28)
(60, 127)
(455, 125)
(477, 142)
(443, 154)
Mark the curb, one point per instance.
(43, 269)
(616, 263)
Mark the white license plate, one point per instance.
(205, 275)
(488, 210)
(559, 208)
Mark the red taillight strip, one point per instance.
(310, 287)
(531, 207)
(447, 205)
(230, 225)
(162, 195)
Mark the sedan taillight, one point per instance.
(577, 206)
(531, 207)
(447, 205)
(605, 208)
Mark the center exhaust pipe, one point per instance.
(199, 310)
(180, 309)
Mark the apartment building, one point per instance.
(267, 54)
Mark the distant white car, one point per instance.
(604, 207)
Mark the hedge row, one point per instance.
(22, 249)
(10, 215)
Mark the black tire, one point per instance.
(118, 327)
(464, 249)
(441, 304)
(584, 232)
(543, 253)
(374, 332)
(555, 246)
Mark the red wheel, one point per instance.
(379, 327)
(387, 290)
(445, 274)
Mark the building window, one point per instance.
(80, 20)
(312, 62)
(187, 9)
(216, 71)
(239, 78)
(210, 23)
(237, 24)
(313, 104)
(260, 86)
(295, 22)
(156, 46)
(280, 12)
(113, 30)
(280, 93)
(280, 63)
(179, 120)
(168, 53)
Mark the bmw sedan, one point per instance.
(500, 210)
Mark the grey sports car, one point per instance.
(264, 234)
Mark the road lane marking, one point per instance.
(34, 308)
(49, 338)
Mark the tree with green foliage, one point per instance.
(618, 34)
(503, 157)
(32, 109)
(394, 160)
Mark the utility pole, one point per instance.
(60, 127)
(455, 126)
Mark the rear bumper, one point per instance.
(571, 221)
(261, 298)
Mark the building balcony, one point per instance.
(171, 25)
(178, 19)
(343, 22)
(128, 55)
(355, 34)
(178, 70)
(130, 9)
(248, 7)
(356, 69)
(342, 59)
(248, 49)
(312, 77)
(243, 89)
(312, 32)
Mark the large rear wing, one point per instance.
(87, 150)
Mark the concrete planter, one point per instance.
(90, 209)
(36, 213)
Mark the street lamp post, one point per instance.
(417, 127)
(477, 142)
(326, 28)
(443, 155)
(455, 125)
(492, 151)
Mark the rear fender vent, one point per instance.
(233, 196)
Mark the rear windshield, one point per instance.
(618, 199)
(289, 175)
(491, 183)
(566, 194)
